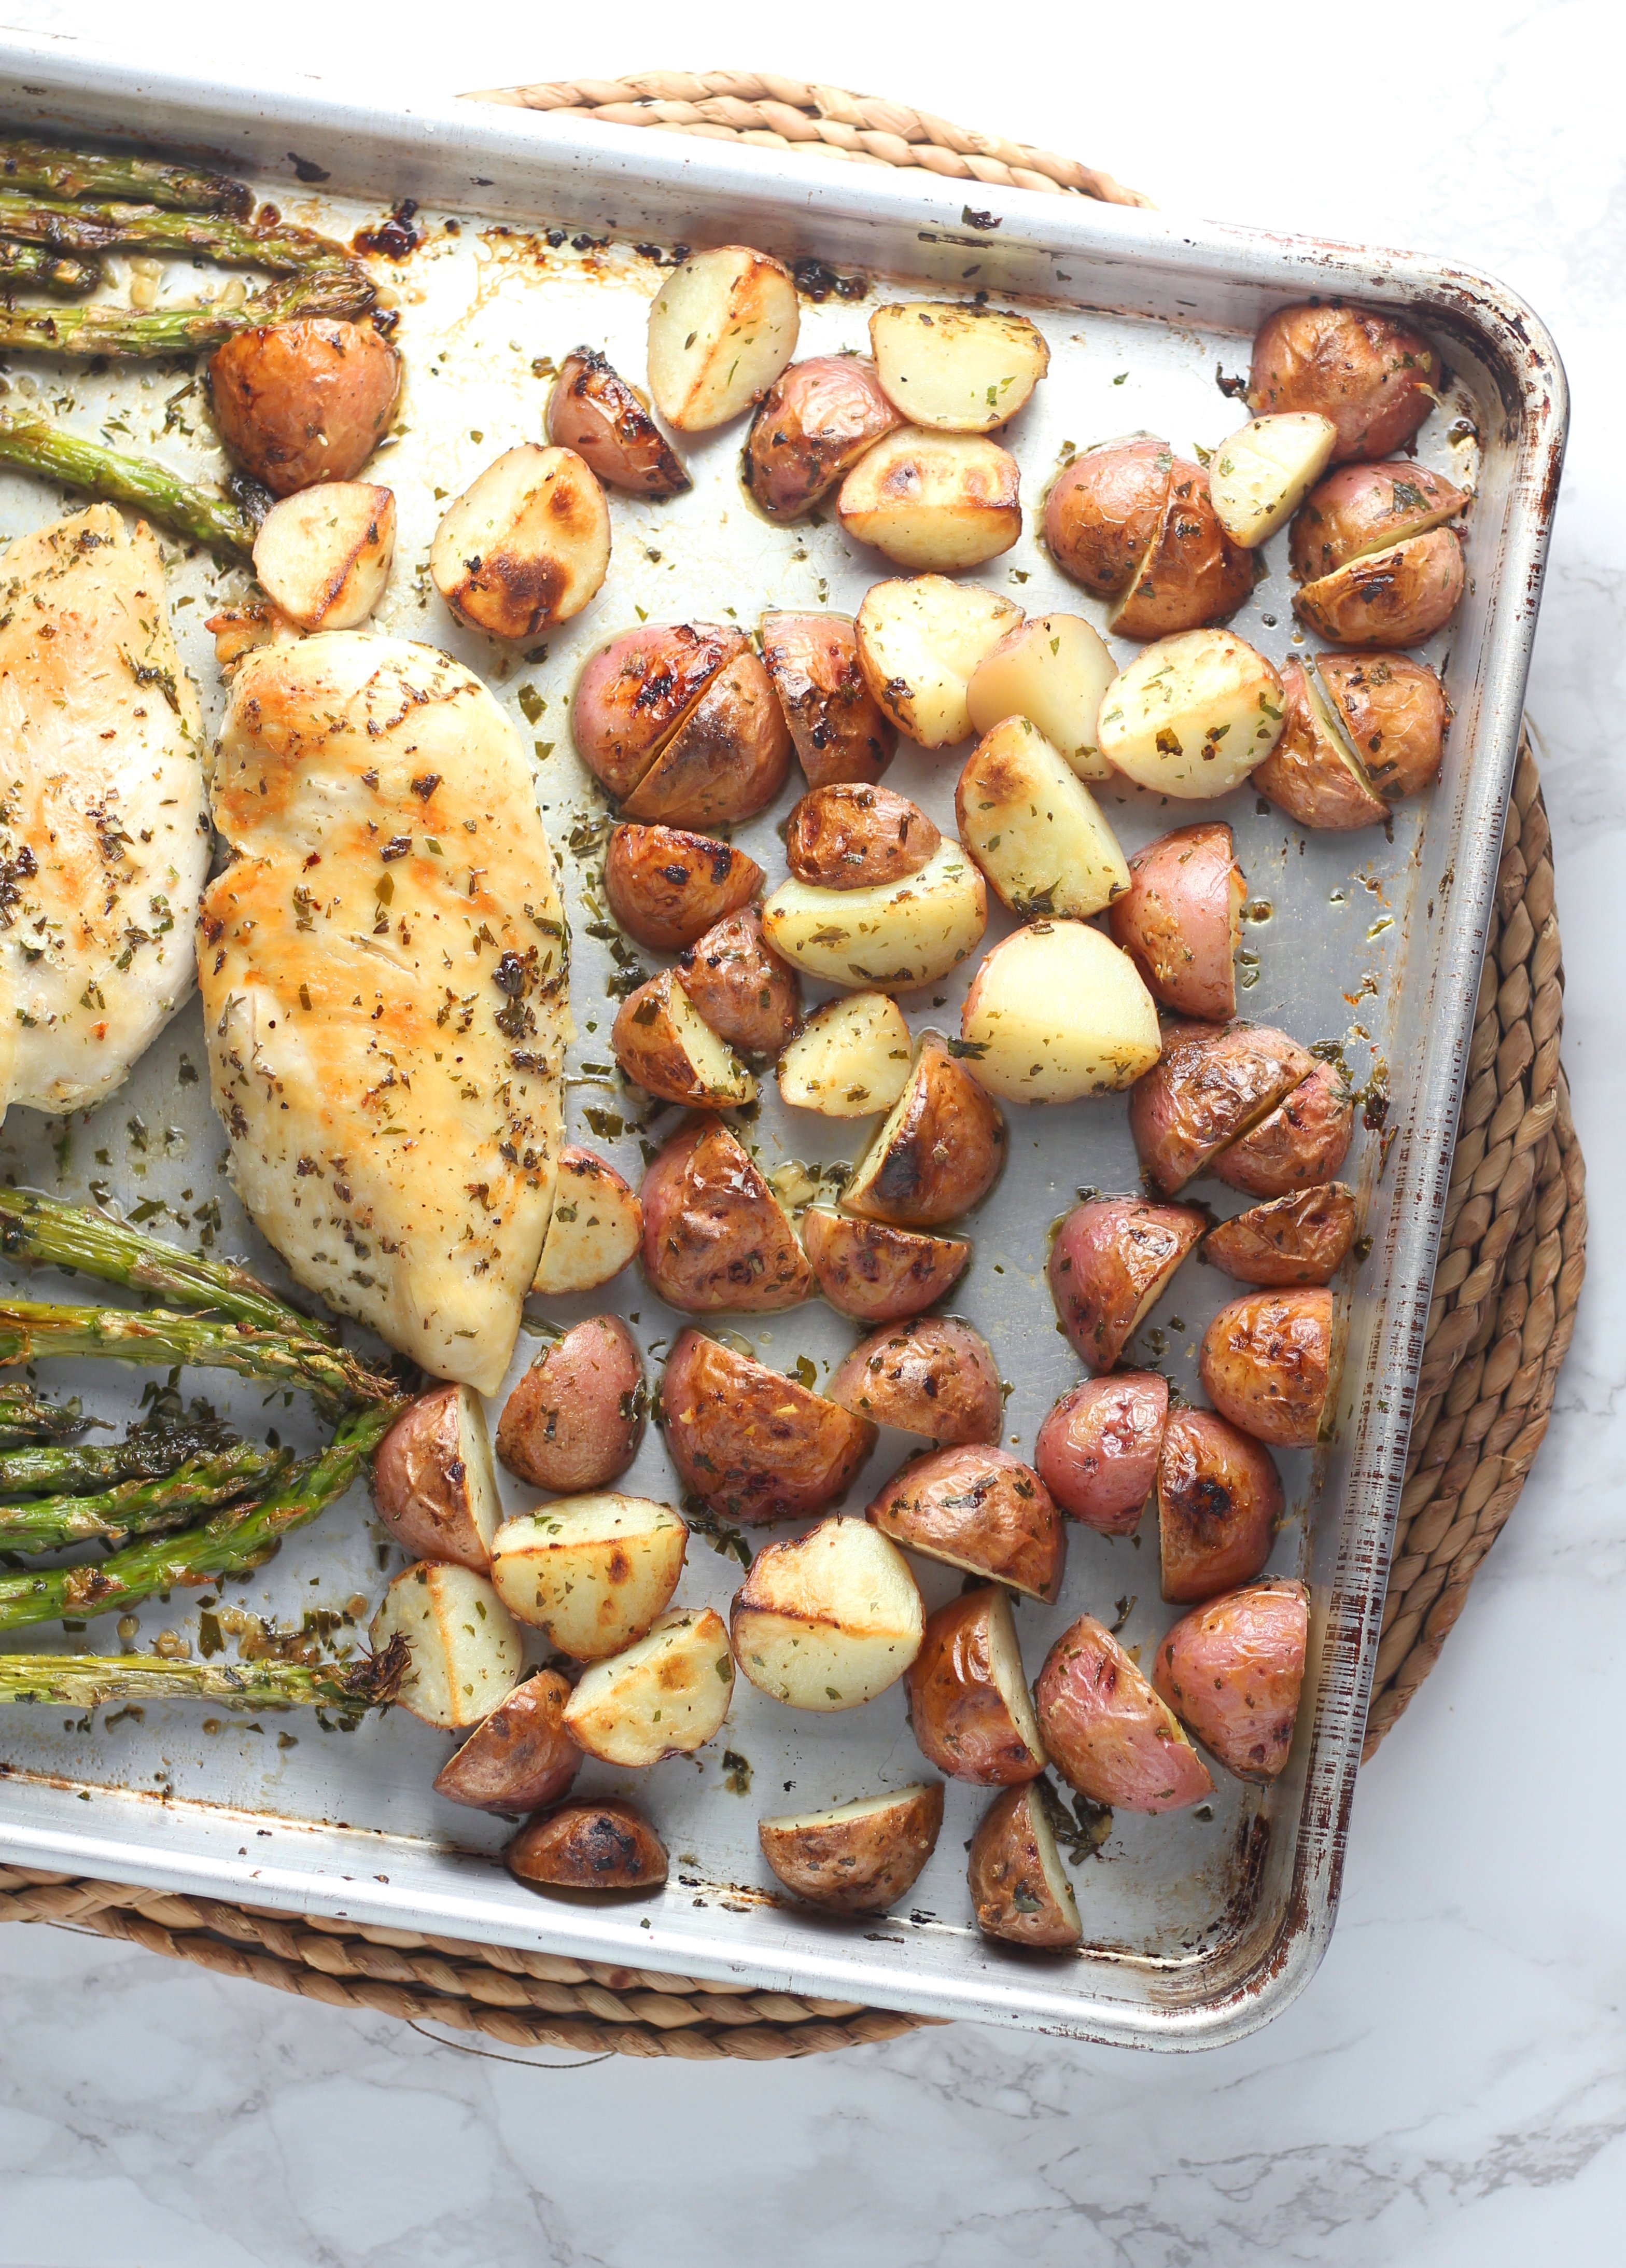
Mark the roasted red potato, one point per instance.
(740, 985)
(526, 545)
(666, 887)
(323, 556)
(828, 1620)
(859, 1858)
(1373, 375)
(433, 1485)
(933, 501)
(1056, 1013)
(1397, 597)
(521, 1758)
(1232, 1671)
(717, 1241)
(1395, 712)
(727, 759)
(1365, 508)
(1220, 1499)
(1302, 1238)
(1210, 1086)
(956, 369)
(1303, 1141)
(596, 1227)
(633, 695)
(1266, 1365)
(576, 1418)
(1108, 1733)
(587, 1845)
(1097, 1451)
(594, 1573)
(838, 729)
(1192, 574)
(968, 1704)
(1180, 920)
(1105, 508)
(722, 326)
(875, 1273)
(594, 410)
(1313, 773)
(935, 1377)
(665, 1046)
(1111, 1262)
(664, 1695)
(754, 1444)
(978, 1508)
(851, 837)
(814, 421)
(939, 1151)
(303, 401)
(1019, 1890)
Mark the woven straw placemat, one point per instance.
(1513, 1258)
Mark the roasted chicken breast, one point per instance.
(384, 990)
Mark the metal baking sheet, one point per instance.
(1201, 1925)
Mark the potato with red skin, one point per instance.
(1301, 1238)
(1311, 774)
(634, 693)
(851, 836)
(1395, 713)
(1232, 1671)
(305, 402)
(754, 1444)
(1397, 597)
(1212, 1083)
(968, 1704)
(813, 423)
(1108, 1733)
(741, 986)
(575, 1420)
(935, 1377)
(1111, 1262)
(1105, 508)
(521, 1758)
(836, 725)
(857, 1857)
(875, 1273)
(1266, 1365)
(939, 1151)
(666, 887)
(716, 1238)
(664, 1045)
(1365, 508)
(1220, 1499)
(601, 1845)
(1371, 374)
(1097, 1451)
(1191, 574)
(596, 1228)
(1180, 920)
(594, 410)
(728, 758)
(1020, 1891)
(978, 1508)
(433, 1485)
(1303, 1141)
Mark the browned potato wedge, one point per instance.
(1056, 1012)
(1108, 1733)
(666, 887)
(935, 1377)
(921, 638)
(1220, 1499)
(1395, 712)
(635, 692)
(1260, 474)
(939, 1151)
(1233, 1672)
(851, 1059)
(1019, 1890)
(576, 1418)
(877, 1273)
(594, 410)
(1365, 508)
(754, 1444)
(1373, 375)
(859, 1858)
(1181, 919)
(978, 1508)
(815, 421)
(741, 986)
(1097, 1451)
(1397, 597)
(606, 1846)
(323, 556)
(956, 369)
(715, 1238)
(721, 327)
(837, 728)
(467, 1651)
(1104, 509)
(969, 1702)
(854, 838)
(1266, 1365)
(665, 1696)
(1112, 1260)
(667, 1049)
(1305, 1139)
(933, 501)
(728, 759)
(1193, 715)
(596, 1227)
(1054, 671)
(303, 401)
(595, 1571)
(1302, 1238)
(1313, 773)
(433, 1485)
(1035, 829)
(521, 1758)
(526, 545)
(829, 1619)
(1191, 572)
(895, 936)
(1211, 1084)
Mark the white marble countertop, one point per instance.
(1450, 2089)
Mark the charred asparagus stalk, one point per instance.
(25, 1417)
(82, 1468)
(206, 517)
(91, 1681)
(339, 288)
(88, 230)
(37, 264)
(48, 172)
(32, 1330)
(145, 1507)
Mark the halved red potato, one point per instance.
(939, 1151)
(1219, 1501)
(1303, 1141)
(1266, 1364)
(978, 1508)
(303, 401)
(1211, 1084)
(576, 1418)
(521, 1758)
(666, 887)
(953, 368)
(838, 730)
(596, 1227)
(1052, 670)
(1397, 597)
(1365, 508)
(1302, 1238)
(1373, 375)
(669, 1050)
(937, 1378)
(1313, 773)
(1191, 715)
(829, 1619)
(1233, 1672)
(599, 1846)
(851, 1059)
(852, 837)
(1097, 1451)
(1105, 507)
(813, 423)
(1035, 829)
(728, 758)
(665, 1695)
(933, 501)
(741, 986)
(968, 1704)
(715, 1238)
(1260, 474)
(1056, 1012)
(1019, 1890)
(921, 638)
(526, 545)
(1395, 712)
(634, 693)
(875, 1273)
(754, 1444)
(467, 1651)
(858, 1858)
(1190, 574)
(895, 935)
(594, 410)
(323, 556)
(433, 1483)
(1112, 1260)
(1181, 919)
(722, 326)
(1109, 1734)
(593, 1572)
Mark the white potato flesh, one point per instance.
(467, 1651)
(1191, 716)
(849, 1058)
(668, 1047)
(1004, 1660)
(900, 1799)
(716, 1066)
(1262, 473)
(1050, 1862)
(596, 1227)
(721, 327)
(934, 501)
(921, 638)
(895, 936)
(1035, 829)
(526, 545)
(664, 1696)
(1056, 1012)
(828, 1620)
(593, 1572)
(959, 370)
(323, 556)
(1053, 670)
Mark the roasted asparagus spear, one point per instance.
(48, 172)
(205, 515)
(340, 288)
(145, 1507)
(32, 1330)
(90, 1680)
(84, 1468)
(25, 1417)
(88, 230)
(47, 271)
